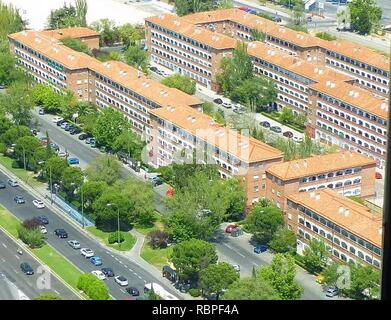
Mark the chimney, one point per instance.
(317, 197)
(332, 85)
(347, 212)
(328, 82)
(341, 210)
(312, 194)
(355, 94)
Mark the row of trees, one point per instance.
(184, 7)
(69, 16)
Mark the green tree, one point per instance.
(325, 36)
(94, 288)
(225, 4)
(77, 45)
(81, 12)
(184, 7)
(17, 102)
(235, 193)
(54, 168)
(251, 289)
(63, 17)
(192, 256)
(5, 124)
(217, 277)
(130, 143)
(137, 57)
(72, 178)
(48, 296)
(109, 125)
(8, 71)
(287, 116)
(298, 12)
(109, 33)
(104, 168)
(32, 237)
(180, 82)
(364, 284)
(10, 20)
(263, 222)
(281, 275)
(25, 151)
(10, 136)
(257, 35)
(365, 15)
(131, 34)
(283, 241)
(315, 255)
(330, 274)
(92, 190)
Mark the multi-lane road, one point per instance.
(135, 274)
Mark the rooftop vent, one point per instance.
(312, 194)
(123, 73)
(383, 106)
(317, 197)
(328, 82)
(341, 210)
(332, 85)
(71, 57)
(193, 119)
(356, 94)
(351, 93)
(215, 37)
(38, 40)
(56, 50)
(189, 117)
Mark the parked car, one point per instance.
(43, 219)
(236, 232)
(134, 292)
(230, 227)
(276, 129)
(64, 124)
(99, 274)
(259, 248)
(13, 182)
(2, 185)
(236, 267)
(54, 146)
(61, 233)
(73, 161)
(156, 181)
(121, 280)
(41, 111)
(87, 252)
(108, 272)
(297, 139)
(26, 268)
(38, 204)
(227, 105)
(43, 229)
(56, 119)
(67, 127)
(19, 200)
(74, 244)
(265, 124)
(309, 19)
(60, 122)
(62, 154)
(288, 134)
(93, 143)
(83, 136)
(320, 279)
(74, 131)
(218, 101)
(96, 261)
(169, 273)
(277, 19)
(88, 140)
(332, 292)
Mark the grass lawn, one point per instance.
(9, 222)
(156, 257)
(157, 225)
(128, 244)
(27, 176)
(66, 270)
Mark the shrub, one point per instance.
(31, 224)
(158, 239)
(113, 237)
(93, 287)
(32, 237)
(194, 292)
(325, 36)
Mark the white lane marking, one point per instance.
(17, 257)
(130, 269)
(228, 246)
(140, 278)
(145, 281)
(4, 245)
(56, 292)
(116, 258)
(120, 262)
(123, 291)
(2, 259)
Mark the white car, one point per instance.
(62, 154)
(236, 267)
(121, 280)
(99, 274)
(38, 204)
(56, 119)
(297, 139)
(74, 244)
(227, 105)
(43, 230)
(87, 253)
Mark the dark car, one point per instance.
(236, 232)
(74, 131)
(265, 124)
(54, 146)
(288, 134)
(2, 185)
(156, 181)
(83, 136)
(60, 122)
(43, 219)
(67, 127)
(61, 233)
(259, 248)
(19, 200)
(170, 273)
(218, 101)
(277, 19)
(41, 111)
(108, 272)
(153, 69)
(133, 291)
(26, 268)
(276, 129)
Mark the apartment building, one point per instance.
(370, 68)
(350, 117)
(86, 35)
(181, 133)
(52, 63)
(348, 173)
(187, 49)
(292, 75)
(350, 231)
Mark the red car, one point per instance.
(230, 228)
(378, 175)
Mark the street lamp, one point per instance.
(82, 205)
(118, 233)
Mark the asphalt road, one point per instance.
(136, 276)
(31, 285)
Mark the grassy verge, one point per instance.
(62, 267)
(156, 225)
(22, 174)
(128, 244)
(9, 222)
(156, 257)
